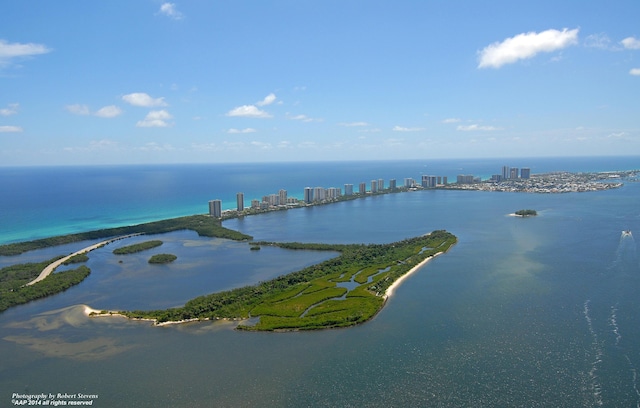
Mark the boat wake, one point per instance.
(612, 377)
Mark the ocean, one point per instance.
(534, 312)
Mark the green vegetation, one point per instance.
(162, 258)
(202, 224)
(80, 258)
(311, 298)
(14, 277)
(132, 249)
(526, 213)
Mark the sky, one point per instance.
(216, 81)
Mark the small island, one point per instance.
(142, 246)
(526, 213)
(162, 258)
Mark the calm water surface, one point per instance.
(529, 312)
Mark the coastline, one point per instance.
(389, 292)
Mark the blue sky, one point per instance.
(145, 81)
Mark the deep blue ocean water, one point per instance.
(529, 312)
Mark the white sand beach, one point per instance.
(389, 292)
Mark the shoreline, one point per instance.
(48, 270)
(389, 292)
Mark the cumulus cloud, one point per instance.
(170, 10)
(631, 43)
(144, 100)
(78, 109)
(268, 100)
(406, 129)
(10, 129)
(11, 109)
(240, 131)
(635, 71)
(110, 111)
(472, 128)
(526, 45)
(156, 119)
(9, 51)
(248, 111)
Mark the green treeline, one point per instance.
(14, 277)
(308, 299)
(202, 224)
(142, 246)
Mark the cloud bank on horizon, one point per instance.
(184, 82)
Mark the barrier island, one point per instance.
(202, 224)
(343, 291)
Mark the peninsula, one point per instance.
(343, 291)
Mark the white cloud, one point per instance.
(303, 118)
(352, 124)
(601, 41)
(268, 100)
(239, 131)
(10, 129)
(78, 109)
(631, 43)
(155, 119)
(143, 99)
(169, 10)
(451, 120)
(406, 129)
(110, 111)
(526, 45)
(248, 111)
(472, 128)
(11, 109)
(9, 51)
(635, 71)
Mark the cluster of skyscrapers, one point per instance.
(320, 194)
(512, 173)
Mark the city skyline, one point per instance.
(215, 82)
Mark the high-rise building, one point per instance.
(240, 201)
(392, 184)
(333, 192)
(514, 173)
(374, 186)
(465, 179)
(319, 194)
(525, 173)
(348, 189)
(282, 197)
(255, 203)
(380, 184)
(308, 195)
(429, 181)
(362, 188)
(505, 172)
(409, 182)
(444, 180)
(215, 208)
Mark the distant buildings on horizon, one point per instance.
(320, 194)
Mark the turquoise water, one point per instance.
(529, 312)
